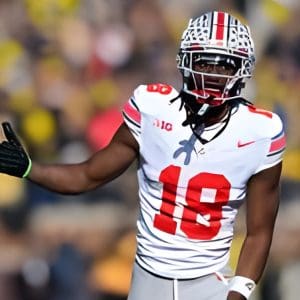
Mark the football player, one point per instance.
(202, 152)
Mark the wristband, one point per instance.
(243, 285)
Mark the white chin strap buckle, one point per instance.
(203, 109)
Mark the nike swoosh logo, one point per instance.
(240, 144)
(250, 285)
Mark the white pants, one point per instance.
(147, 286)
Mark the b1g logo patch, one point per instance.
(163, 125)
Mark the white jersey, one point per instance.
(189, 192)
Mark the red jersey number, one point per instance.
(200, 220)
(163, 89)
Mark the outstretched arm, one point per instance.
(102, 167)
(262, 207)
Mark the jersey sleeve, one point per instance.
(132, 116)
(143, 106)
(275, 146)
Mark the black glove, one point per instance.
(14, 160)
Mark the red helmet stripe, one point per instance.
(220, 26)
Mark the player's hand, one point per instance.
(14, 160)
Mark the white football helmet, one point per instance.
(217, 38)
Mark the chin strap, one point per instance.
(196, 114)
(203, 109)
(195, 111)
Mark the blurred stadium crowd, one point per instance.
(66, 68)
